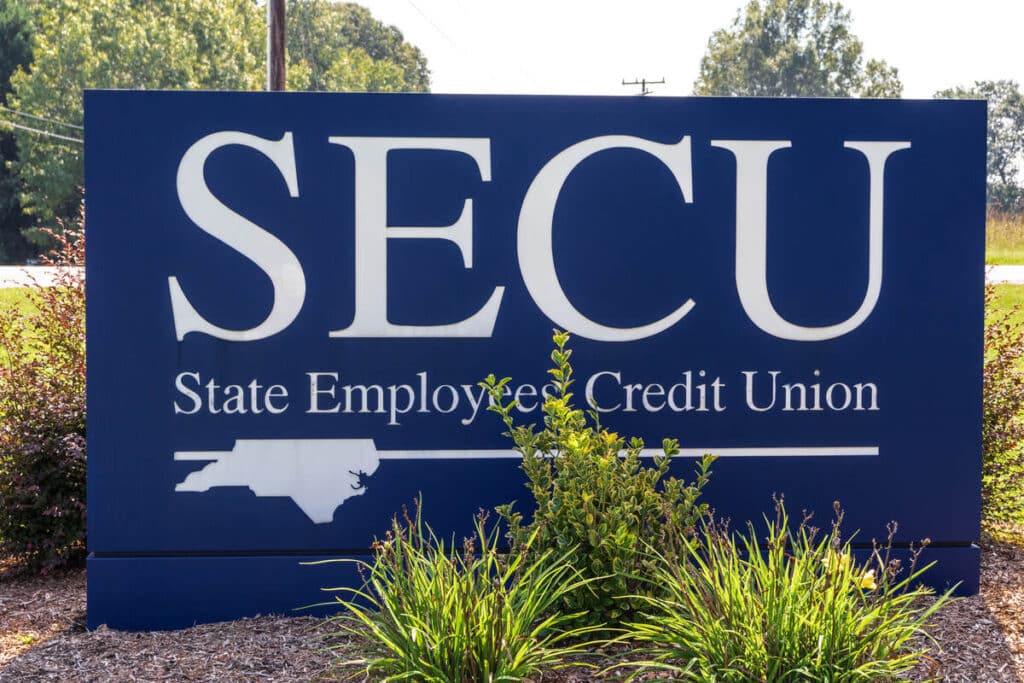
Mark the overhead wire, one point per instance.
(12, 124)
(40, 118)
(431, 22)
(471, 15)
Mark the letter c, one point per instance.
(536, 258)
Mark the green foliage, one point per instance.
(42, 418)
(796, 608)
(341, 47)
(439, 615)
(590, 497)
(879, 80)
(1002, 434)
(17, 297)
(183, 44)
(15, 41)
(14, 247)
(792, 48)
(1005, 140)
(15, 53)
(121, 44)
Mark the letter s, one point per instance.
(179, 384)
(270, 254)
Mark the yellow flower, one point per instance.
(836, 561)
(867, 581)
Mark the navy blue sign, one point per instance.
(292, 298)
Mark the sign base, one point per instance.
(161, 593)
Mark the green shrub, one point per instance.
(434, 614)
(798, 608)
(1002, 434)
(42, 417)
(591, 496)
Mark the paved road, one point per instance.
(19, 276)
(1011, 274)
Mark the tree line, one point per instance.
(806, 48)
(50, 50)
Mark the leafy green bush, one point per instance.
(1002, 434)
(592, 497)
(798, 608)
(42, 417)
(434, 614)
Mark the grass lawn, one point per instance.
(1004, 240)
(1009, 297)
(16, 296)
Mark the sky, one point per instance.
(580, 47)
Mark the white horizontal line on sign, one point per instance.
(752, 452)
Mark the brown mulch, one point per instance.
(43, 638)
(981, 638)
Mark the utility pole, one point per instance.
(275, 44)
(643, 83)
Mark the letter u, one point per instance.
(752, 236)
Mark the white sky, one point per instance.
(580, 47)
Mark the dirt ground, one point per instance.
(43, 638)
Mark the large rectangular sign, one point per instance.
(292, 298)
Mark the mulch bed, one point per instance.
(43, 638)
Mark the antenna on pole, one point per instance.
(643, 83)
(275, 44)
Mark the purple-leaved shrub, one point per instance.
(42, 416)
(1002, 434)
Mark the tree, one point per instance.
(792, 48)
(1005, 140)
(189, 44)
(341, 47)
(15, 53)
(120, 44)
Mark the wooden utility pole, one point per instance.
(275, 45)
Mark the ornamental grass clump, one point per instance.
(794, 608)
(591, 492)
(436, 613)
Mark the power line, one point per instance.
(40, 118)
(431, 22)
(517, 64)
(12, 124)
